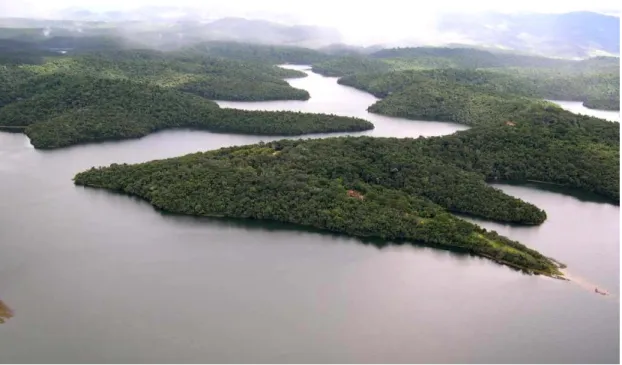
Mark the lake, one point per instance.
(94, 276)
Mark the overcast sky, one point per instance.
(355, 19)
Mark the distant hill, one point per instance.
(569, 35)
(262, 31)
(171, 33)
(576, 34)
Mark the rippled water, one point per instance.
(94, 276)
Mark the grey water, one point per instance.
(94, 276)
(578, 108)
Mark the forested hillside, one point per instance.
(268, 54)
(541, 83)
(467, 57)
(594, 81)
(208, 77)
(350, 65)
(602, 104)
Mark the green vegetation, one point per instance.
(452, 102)
(268, 54)
(595, 81)
(567, 84)
(396, 189)
(350, 65)
(86, 109)
(468, 58)
(208, 77)
(514, 137)
(421, 58)
(603, 104)
(370, 187)
(14, 52)
(555, 147)
(129, 94)
(546, 84)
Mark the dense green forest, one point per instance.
(451, 102)
(612, 103)
(86, 109)
(596, 79)
(516, 138)
(268, 54)
(212, 78)
(521, 82)
(369, 187)
(469, 58)
(577, 152)
(350, 65)
(399, 59)
(121, 94)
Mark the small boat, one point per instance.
(599, 292)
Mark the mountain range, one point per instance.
(569, 35)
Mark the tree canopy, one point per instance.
(130, 93)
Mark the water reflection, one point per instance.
(255, 225)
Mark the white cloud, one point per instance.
(357, 20)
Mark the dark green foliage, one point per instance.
(566, 84)
(268, 54)
(223, 88)
(129, 94)
(81, 110)
(350, 65)
(603, 104)
(207, 77)
(451, 102)
(13, 52)
(547, 84)
(440, 57)
(515, 138)
(578, 152)
(372, 187)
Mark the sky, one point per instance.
(356, 20)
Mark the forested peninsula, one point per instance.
(120, 94)
(367, 187)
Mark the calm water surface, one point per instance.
(94, 276)
(577, 107)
